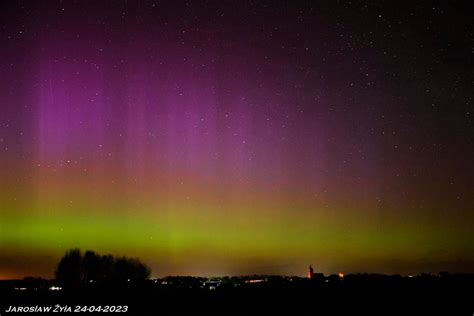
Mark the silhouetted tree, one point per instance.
(107, 267)
(126, 269)
(75, 268)
(69, 269)
(91, 265)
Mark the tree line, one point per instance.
(76, 268)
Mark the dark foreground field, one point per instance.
(401, 296)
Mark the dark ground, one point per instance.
(359, 296)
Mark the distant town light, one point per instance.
(255, 281)
(20, 289)
(55, 288)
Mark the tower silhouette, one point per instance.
(310, 272)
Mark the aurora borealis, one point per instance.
(237, 137)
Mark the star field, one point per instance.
(239, 137)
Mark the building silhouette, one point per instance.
(310, 272)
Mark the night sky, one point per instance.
(237, 137)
